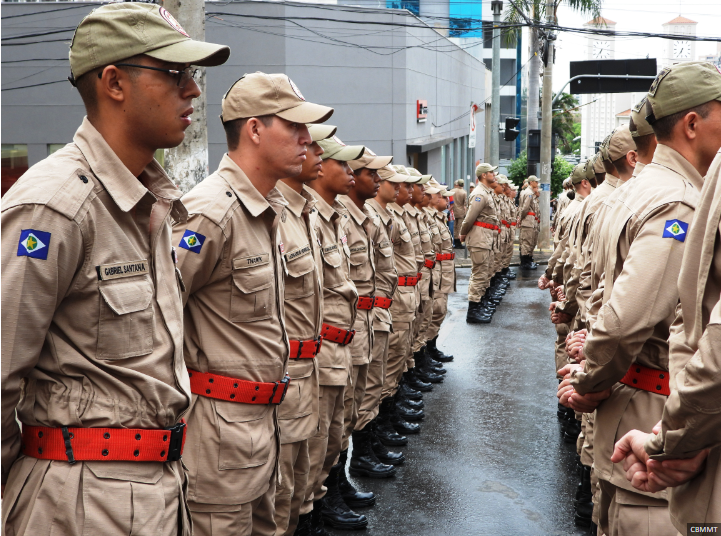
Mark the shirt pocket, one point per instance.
(298, 401)
(299, 282)
(125, 327)
(246, 433)
(360, 266)
(251, 297)
(332, 271)
(385, 249)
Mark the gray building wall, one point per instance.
(372, 74)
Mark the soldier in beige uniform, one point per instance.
(528, 223)
(460, 207)
(298, 414)
(236, 345)
(334, 359)
(92, 326)
(626, 365)
(479, 231)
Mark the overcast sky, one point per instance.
(634, 15)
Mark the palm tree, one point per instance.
(564, 113)
(520, 11)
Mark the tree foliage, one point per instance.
(560, 172)
(563, 121)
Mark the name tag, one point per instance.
(249, 262)
(414, 234)
(384, 244)
(358, 249)
(330, 249)
(122, 269)
(297, 253)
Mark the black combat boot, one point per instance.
(352, 497)
(335, 511)
(592, 529)
(364, 462)
(304, 526)
(584, 494)
(488, 304)
(386, 456)
(407, 413)
(406, 400)
(572, 431)
(525, 262)
(399, 423)
(476, 314)
(414, 383)
(435, 353)
(317, 527)
(510, 274)
(384, 429)
(424, 372)
(531, 265)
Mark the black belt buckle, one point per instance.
(175, 447)
(349, 335)
(284, 382)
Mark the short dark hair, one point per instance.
(87, 88)
(233, 127)
(622, 165)
(663, 128)
(643, 144)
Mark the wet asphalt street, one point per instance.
(490, 459)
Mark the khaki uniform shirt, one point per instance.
(386, 275)
(482, 209)
(91, 311)
(437, 243)
(234, 327)
(633, 325)
(562, 202)
(460, 203)
(427, 250)
(692, 415)
(525, 205)
(404, 304)
(448, 268)
(339, 293)
(298, 414)
(358, 225)
(561, 235)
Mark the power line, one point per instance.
(34, 85)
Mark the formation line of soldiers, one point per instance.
(635, 280)
(286, 306)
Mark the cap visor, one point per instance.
(307, 112)
(396, 177)
(379, 162)
(321, 132)
(192, 52)
(431, 190)
(348, 153)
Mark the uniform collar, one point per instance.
(410, 209)
(395, 207)
(638, 169)
(382, 212)
(612, 180)
(360, 216)
(671, 159)
(247, 194)
(125, 188)
(297, 202)
(327, 212)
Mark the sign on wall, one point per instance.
(472, 134)
(421, 110)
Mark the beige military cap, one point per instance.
(638, 114)
(681, 87)
(484, 168)
(580, 172)
(621, 142)
(424, 179)
(370, 160)
(418, 177)
(337, 150)
(321, 132)
(115, 32)
(413, 172)
(387, 173)
(597, 163)
(259, 94)
(430, 188)
(460, 183)
(532, 178)
(405, 173)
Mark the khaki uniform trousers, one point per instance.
(255, 518)
(50, 497)
(324, 446)
(508, 251)
(423, 318)
(374, 382)
(527, 240)
(290, 493)
(353, 398)
(624, 513)
(562, 330)
(399, 345)
(440, 308)
(482, 262)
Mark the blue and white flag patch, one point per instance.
(675, 229)
(192, 241)
(33, 243)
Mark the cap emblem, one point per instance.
(296, 90)
(661, 76)
(174, 24)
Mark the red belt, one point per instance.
(445, 256)
(337, 335)
(404, 281)
(236, 390)
(513, 223)
(365, 302)
(428, 263)
(647, 379)
(104, 444)
(419, 275)
(383, 303)
(305, 349)
(530, 213)
(487, 226)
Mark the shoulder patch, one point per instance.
(478, 198)
(675, 229)
(34, 244)
(192, 241)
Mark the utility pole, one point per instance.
(546, 123)
(497, 7)
(187, 164)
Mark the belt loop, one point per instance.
(68, 446)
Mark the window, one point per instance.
(14, 164)
(54, 147)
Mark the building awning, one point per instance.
(422, 145)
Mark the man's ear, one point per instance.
(113, 83)
(253, 128)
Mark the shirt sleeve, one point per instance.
(476, 206)
(33, 286)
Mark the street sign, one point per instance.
(612, 68)
(511, 132)
(472, 134)
(421, 110)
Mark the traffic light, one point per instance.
(511, 130)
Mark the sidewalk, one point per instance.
(463, 260)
